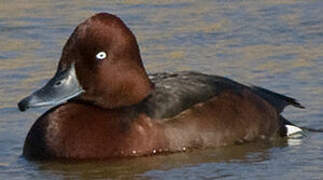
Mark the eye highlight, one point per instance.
(101, 55)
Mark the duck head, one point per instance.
(100, 64)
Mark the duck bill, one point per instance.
(61, 88)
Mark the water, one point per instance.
(274, 44)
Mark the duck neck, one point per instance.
(133, 90)
(126, 90)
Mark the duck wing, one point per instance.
(175, 92)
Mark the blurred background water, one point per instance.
(274, 44)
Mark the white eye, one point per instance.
(101, 55)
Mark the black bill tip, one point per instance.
(23, 105)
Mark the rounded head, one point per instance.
(104, 56)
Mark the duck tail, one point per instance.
(279, 101)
